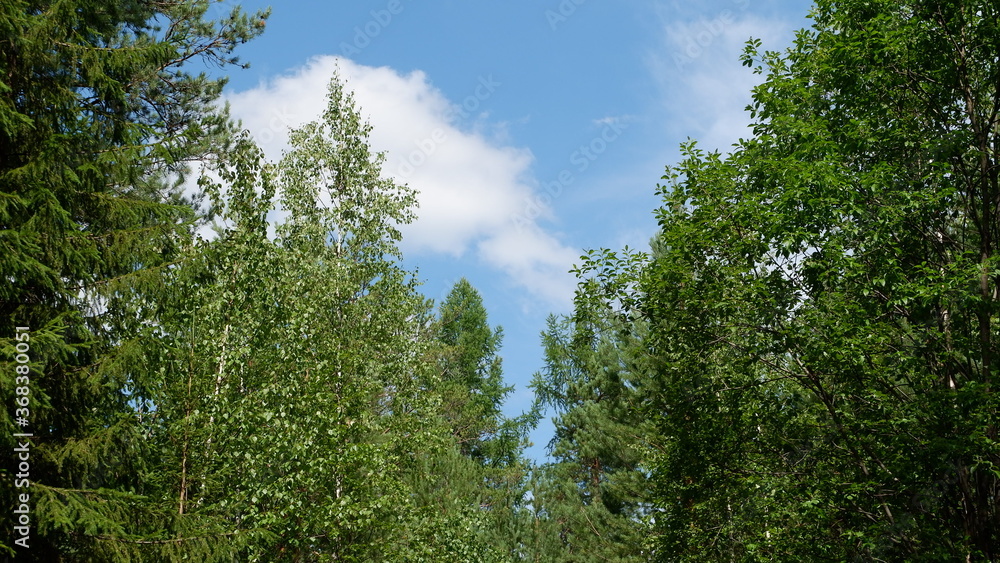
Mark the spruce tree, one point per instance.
(99, 111)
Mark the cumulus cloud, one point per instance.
(473, 190)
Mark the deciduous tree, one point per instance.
(823, 306)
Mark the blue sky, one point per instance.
(533, 130)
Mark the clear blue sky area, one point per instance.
(533, 129)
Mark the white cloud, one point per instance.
(473, 190)
(536, 259)
(699, 67)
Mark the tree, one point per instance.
(286, 398)
(822, 304)
(351, 345)
(471, 485)
(591, 503)
(98, 114)
(472, 385)
(199, 359)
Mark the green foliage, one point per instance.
(460, 513)
(591, 502)
(472, 385)
(803, 368)
(289, 390)
(822, 302)
(469, 488)
(98, 114)
(285, 401)
(271, 394)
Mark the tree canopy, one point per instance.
(822, 301)
(803, 366)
